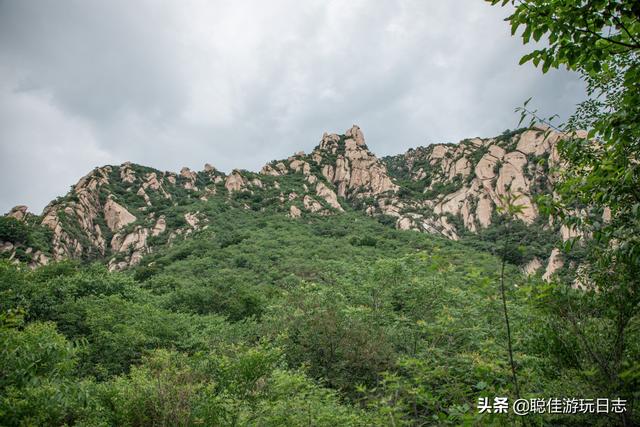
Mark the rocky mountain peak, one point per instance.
(19, 212)
(356, 134)
(346, 162)
(121, 212)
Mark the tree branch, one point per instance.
(600, 36)
(619, 22)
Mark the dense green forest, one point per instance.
(268, 300)
(264, 320)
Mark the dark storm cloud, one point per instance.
(236, 84)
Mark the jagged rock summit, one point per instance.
(470, 180)
(121, 213)
(344, 161)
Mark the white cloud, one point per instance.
(43, 150)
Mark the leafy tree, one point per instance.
(36, 367)
(599, 193)
(12, 230)
(311, 330)
(601, 41)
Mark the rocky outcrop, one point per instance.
(345, 163)
(294, 211)
(84, 210)
(6, 247)
(554, 264)
(235, 182)
(127, 173)
(103, 204)
(300, 166)
(356, 172)
(311, 205)
(133, 245)
(471, 180)
(38, 258)
(355, 134)
(190, 178)
(192, 219)
(159, 227)
(532, 267)
(277, 169)
(445, 189)
(151, 182)
(328, 195)
(19, 212)
(116, 216)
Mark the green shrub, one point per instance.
(12, 230)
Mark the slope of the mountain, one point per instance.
(470, 179)
(261, 319)
(292, 296)
(23, 238)
(121, 213)
(256, 319)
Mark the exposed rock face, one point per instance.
(345, 162)
(126, 173)
(6, 247)
(190, 178)
(554, 264)
(470, 180)
(356, 172)
(278, 168)
(532, 267)
(134, 243)
(294, 212)
(406, 223)
(234, 182)
(356, 134)
(116, 216)
(19, 212)
(311, 204)
(269, 170)
(300, 166)
(327, 194)
(84, 210)
(160, 227)
(446, 189)
(192, 219)
(39, 259)
(152, 182)
(98, 205)
(144, 195)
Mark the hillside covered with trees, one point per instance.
(337, 288)
(263, 320)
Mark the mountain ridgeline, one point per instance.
(119, 214)
(329, 288)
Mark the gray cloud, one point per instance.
(236, 84)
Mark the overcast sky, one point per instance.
(236, 84)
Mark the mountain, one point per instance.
(259, 319)
(120, 214)
(329, 288)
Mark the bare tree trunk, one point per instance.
(506, 321)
